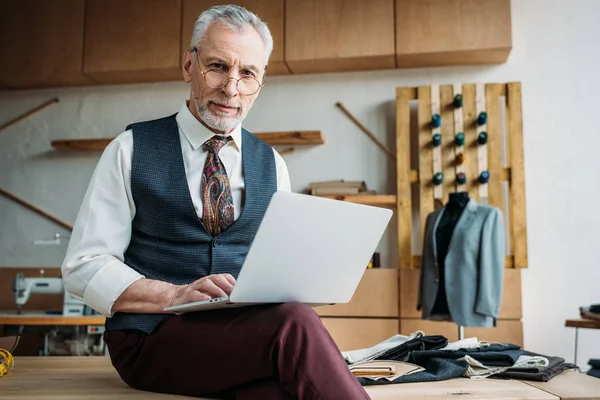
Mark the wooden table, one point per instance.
(37, 318)
(66, 378)
(581, 323)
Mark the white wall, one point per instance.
(554, 56)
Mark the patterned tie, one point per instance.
(217, 204)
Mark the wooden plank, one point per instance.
(272, 138)
(583, 323)
(404, 176)
(518, 218)
(38, 318)
(510, 307)
(438, 157)
(571, 385)
(459, 150)
(469, 118)
(482, 156)
(28, 113)
(374, 200)
(448, 146)
(358, 333)
(376, 296)
(426, 205)
(35, 209)
(494, 145)
(460, 388)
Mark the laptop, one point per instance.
(307, 249)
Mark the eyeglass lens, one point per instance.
(217, 79)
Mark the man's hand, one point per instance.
(210, 286)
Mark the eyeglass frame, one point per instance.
(237, 80)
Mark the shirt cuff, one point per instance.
(107, 285)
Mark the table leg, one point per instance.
(576, 344)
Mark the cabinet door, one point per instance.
(339, 35)
(133, 40)
(269, 11)
(41, 43)
(452, 32)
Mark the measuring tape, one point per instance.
(6, 362)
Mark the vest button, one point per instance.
(215, 243)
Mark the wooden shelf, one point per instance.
(373, 200)
(273, 138)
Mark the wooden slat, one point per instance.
(374, 200)
(583, 323)
(459, 127)
(437, 152)
(482, 150)
(469, 118)
(505, 175)
(509, 261)
(358, 333)
(404, 177)
(518, 218)
(37, 318)
(425, 156)
(494, 145)
(448, 146)
(28, 113)
(272, 138)
(510, 308)
(376, 296)
(571, 385)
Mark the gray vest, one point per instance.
(168, 241)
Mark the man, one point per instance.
(168, 218)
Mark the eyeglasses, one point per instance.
(217, 79)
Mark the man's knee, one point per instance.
(298, 314)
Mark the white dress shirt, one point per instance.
(93, 269)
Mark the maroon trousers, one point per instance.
(263, 352)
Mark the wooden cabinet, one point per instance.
(133, 40)
(269, 11)
(452, 32)
(41, 43)
(339, 35)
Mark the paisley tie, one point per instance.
(217, 204)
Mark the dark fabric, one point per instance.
(263, 352)
(556, 365)
(595, 372)
(437, 369)
(595, 308)
(594, 362)
(452, 212)
(400, 353)
(496, 355)
(168, 241)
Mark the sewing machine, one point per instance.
(24, 287)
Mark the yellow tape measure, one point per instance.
(6, 362)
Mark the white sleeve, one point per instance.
(283, 176)
(93, 269)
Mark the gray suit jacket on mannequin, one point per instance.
(474, 266)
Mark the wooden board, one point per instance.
(376, 296)
(358, 333)
(518, 218)
(571, 385)
(91, 378)
(494, 146)
(269, 11)
(469, 118)
(583, 323)
(272, 138)
(511, 302)
(448, 146)
(426, 205)
(404, 177)
(132, 40)
(39, 319)
(329, 36)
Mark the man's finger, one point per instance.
(223, 283)
(229, 278)
(210, 288)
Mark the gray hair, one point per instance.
(234, 17)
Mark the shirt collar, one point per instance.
(196, 133)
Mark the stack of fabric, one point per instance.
(595, 370)
(471, 358)
(591, 312)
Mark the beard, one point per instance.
(219, 120)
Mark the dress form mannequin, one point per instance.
(452, 212)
